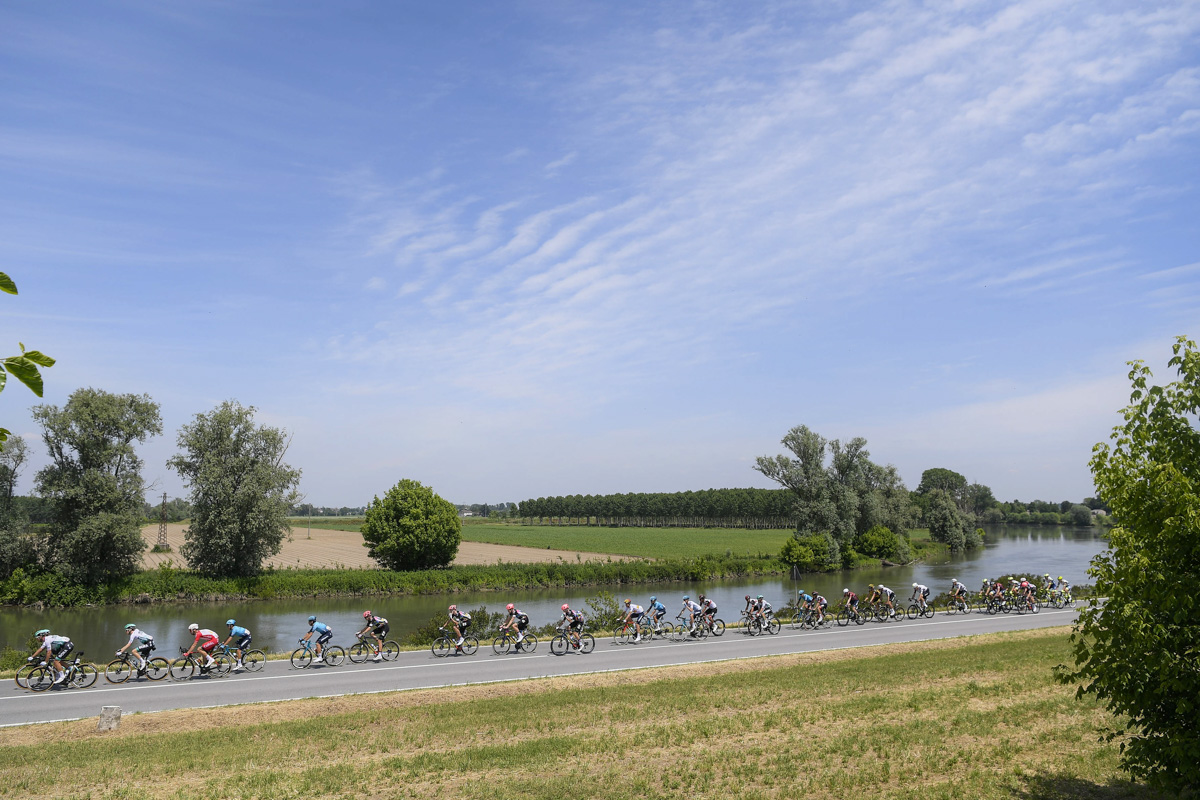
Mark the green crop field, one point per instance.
(641, 542)
(967, 718)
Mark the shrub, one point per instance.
(412, 528)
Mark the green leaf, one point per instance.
(39, 358)
(26, 372)
(3, 378)
(6, 284)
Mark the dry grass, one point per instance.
(948, 719)
(328, 549)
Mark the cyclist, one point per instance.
(1027, 592)
(762, 609)
(872, 594)
(57, 648)
(998, 590)
(693, 609)
(140, 645)
(655, 612)
(634, 613)
(324, 634)
(851, 601)
(888, 597)
(1049, 584)
(572, 624)
(1065, 587)
(460, 621)
(205, 642)
(710, 610)
(243, 636)
(958, 592)
(378, 626)
(805, 600)
(820, 603)
(920, 593)
(749, 609)
(516, 621)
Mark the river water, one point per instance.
(277, 624)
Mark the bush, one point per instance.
(880, 542)
(812, 552)
(412, 528)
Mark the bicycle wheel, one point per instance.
(301, 658)
(500, 645)
(85, 675)
(360, 652)
(441, 647)
(334, 655)
(914, 611)
(223, 666)
(718, 627)
(254, 660)
(41, 679)
(118, 670)
(529, 643)
(843, 619)
(181, 669)
(927, 612)
(23, 673)
(391, 650)
(559, 645)
(773, 626)
(587, 643)
(157, 668)
(470, 645)
(1036, 607)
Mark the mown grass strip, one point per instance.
(964, 718)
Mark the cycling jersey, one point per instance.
(709, 605)
(765, 607)
(54, 643)
(852, 599)
(691, 605)
(821, 601)
(323, 631)
(318, 627)
(657, 609)
(806, 598)
(206, 639)
(636, 610)
(521, 617)
(239, 632)
(921, 589)
(462, 618)
(140, 638)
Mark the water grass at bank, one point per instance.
(168, 584)
(979, 717)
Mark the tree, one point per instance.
(1080, 515)
(241, 491)
(94, 483)
(17, 547)
(412, 528)
(946, 480)
(1139, 650)
(949, 525)
(25, 366)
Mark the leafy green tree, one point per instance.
(17, 547)
(1080, 515)
(412, 528)
(1139, 650)
(949, 525)
(24, 366)
(241, 490)
(94, 483)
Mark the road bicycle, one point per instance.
(306, 654)
(881, 612)
(188, 664)
(444, 645)
(768, 624)
(507, 642)
(25, 670)
(78, 675)
(567, 640)
(252, 660)
(123, 667)
(918, 610)
(957, 605)
(705, 625)
(657, 627)
(847, 613)
(365, 648)
(808, 618)
(629, 633)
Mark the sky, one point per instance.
(526, 249)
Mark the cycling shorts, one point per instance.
(244, 642)
(63, 651)
(381, 630)
(325, 636)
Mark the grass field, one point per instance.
(640, 542)
(971, 718)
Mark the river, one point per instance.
(277, 624)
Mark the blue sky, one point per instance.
(526, 249)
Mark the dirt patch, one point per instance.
(318, 548)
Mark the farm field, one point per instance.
(639, 542)
(978, 717)
(332, 549)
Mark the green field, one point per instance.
(967, 718)
(640, 542)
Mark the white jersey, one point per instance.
(139, 637)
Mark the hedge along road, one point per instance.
(421, 670)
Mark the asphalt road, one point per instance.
(421, 670)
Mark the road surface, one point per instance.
(421, 670)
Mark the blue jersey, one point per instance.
(806, 598)
(657, 606)
(239, 632)
(319, 627)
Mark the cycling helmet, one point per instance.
(130, 627)
(685, 598)
(747, 597)
(653, 598)
(760, 597)
(701, 597)
(193, 627)
(453, 607)
(43, 632)
(1047, 575)
(367, 614)
(312, 618)
(870, 586)
(627, 601)
(509, 607)
(566, 607)
(915, 584)
(1060, 577)
(231, 622)
(845, 591)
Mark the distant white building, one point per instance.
(1099, 512)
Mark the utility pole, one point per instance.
(162, 545)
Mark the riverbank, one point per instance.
(169, 585)
(977, 717)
